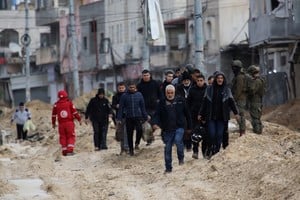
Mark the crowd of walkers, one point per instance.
(182, 103)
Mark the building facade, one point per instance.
(274, 28)
(12, 55)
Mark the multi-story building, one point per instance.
(274, 28)
(224, 34)
(111, 43)
(12, 55)
(55, 53)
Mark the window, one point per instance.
(121, 33)
(93, 36)
(7, 36)
(133, 31)
(3, 5)
(209, 30)
(283, 60)
(45, 39)
(274, 4)
(85, 43)
(118, 33)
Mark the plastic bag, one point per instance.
(147, 131)
(29, 126)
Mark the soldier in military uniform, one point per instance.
(239, 92)
(256, 90)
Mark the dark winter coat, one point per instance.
(182, 90)
(116, 100)
(162, 117)
(195, 98)
(98, 110)
(212, 109)
(151, 93)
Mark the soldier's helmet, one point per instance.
(237, 63)
(253, 69)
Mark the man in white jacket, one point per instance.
(20, 116)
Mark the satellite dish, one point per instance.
(14, 47)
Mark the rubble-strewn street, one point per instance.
(254, 166)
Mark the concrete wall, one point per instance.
(122, 20)
(297, 73)
(233, 21)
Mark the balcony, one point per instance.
(268, 29)
(50, 15)
(46, 55)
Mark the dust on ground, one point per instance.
(254, 166)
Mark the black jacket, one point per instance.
(116, 100)
(195, 98)
(98, 110)
(208, 109)
(183, 117)
(151, 93)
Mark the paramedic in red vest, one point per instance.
(65, 112)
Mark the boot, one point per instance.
(242, 133)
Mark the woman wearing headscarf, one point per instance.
(215, 110)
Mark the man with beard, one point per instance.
(171, 116)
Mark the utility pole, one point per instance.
(146, 50)
(74, 51)
(199, 36)
(27, 58)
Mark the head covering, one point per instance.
(190, 68)
(21, 104)
(62, 94)
(253, 69)
(185, 75)
(237, 63)
(101, 91)
(217, 73)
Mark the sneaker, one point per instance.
(181, 162)
(104, 148)
(195, 156)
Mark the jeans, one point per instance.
(100, 133)
(215, 135)
(124, 139)
(169, 138)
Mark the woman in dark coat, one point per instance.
(215, 110)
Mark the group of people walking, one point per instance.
(180, 104)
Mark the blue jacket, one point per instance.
(132, 105)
